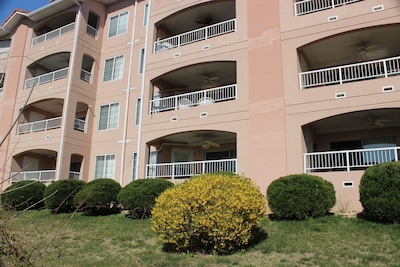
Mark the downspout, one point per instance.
(66, 103)
(142, 92)
(128, 90)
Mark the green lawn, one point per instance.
(117, 241)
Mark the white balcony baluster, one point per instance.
(202, 97)
(46, 78)
(349, 73)
(53, 34)
(347, 160)
(188, 169)
(195, 35)
(39, 126)
(311, 6)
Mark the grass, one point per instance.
(117, 241)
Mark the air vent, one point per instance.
(348, 184)
(177, 55)
(340, 95)
(206, 47)
(28, 140)
(50, 88)
(377, 8)
(203, 114)
(174, 119)
(333, 18)
(47, 137)
(388, 89)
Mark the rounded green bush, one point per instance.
(380, 192)
(300, 196)
(63, 193)
(98, 197)
(213, 213)
(22, 195)
(139, 196)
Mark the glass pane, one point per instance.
(112, 31)
(103, 117)
(118, 67)
(113, 116)
(123, 23)
(108, 69)
(99, 169)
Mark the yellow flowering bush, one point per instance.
(214, 213)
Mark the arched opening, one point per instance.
(194, 85)
(87, 68)
(352, 141)
(40, 116)
(37, 164)
(80, 117)
(75, 169)
(367, 53)
(194, 24)
(182, 155)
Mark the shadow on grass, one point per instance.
(273, 217)
(258, 235)
(367, 217)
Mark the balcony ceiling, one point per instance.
(188, 138)
(353, 47)
(54, 62)
(199, 16)
(53, 106)
(200, 76)
(358, 121)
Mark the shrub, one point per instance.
(300, 196)
(61, 201)
(22, 195)
(380, 192)
(140, 196)
(98, 197)
(209, 213)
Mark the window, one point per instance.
(146, 15)
(141, 60)
(92, 25)
(2, 76)
(109, 116)
(105, 166)
(138, 108)
(113, 68)
(134, 162)
(118, 24)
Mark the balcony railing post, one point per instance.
(333, 3)
(340, 75)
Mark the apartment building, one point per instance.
(136, 89)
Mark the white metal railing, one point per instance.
(86, 76)
(349, 159)
(1, 90)
(198, 98)
(195, 35)
(349, 73)
(188, 169)
(46, 78)
(39, 126)
(53, 34)
(91, 31)
(311, 6)
(74, 175)
(43, 176)
(4, 54)
(79, 125)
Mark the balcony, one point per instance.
(181, 170)
(74, 175)
(311, 6)
(91, 31)
(39, 126)
(86, 76)
(42, 176)
(53, 34)
(349, 73)
(198, 98)
(79, 125)
(46, 78)
(348, 160)
(197, 35)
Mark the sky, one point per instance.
(7, 6)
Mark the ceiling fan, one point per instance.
(372, 120)
(208, 81)
(205, 144)
(206, 21)
(367, 51)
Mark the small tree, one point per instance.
(140, 195)
(98, 197)
(380, 192)
(64, 192)
(22, 195)
(300, 196)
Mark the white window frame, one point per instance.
(146, 15)
(114, 75)
(117, 30)
(141, 60)
(108, 127)
(106, 173)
